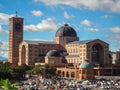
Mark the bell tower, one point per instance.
(15, 38)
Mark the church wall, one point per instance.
(105, 51)
(76, 49)
(37, 52)
(54, 61)
(44, 48)
(79, 73)
(72, 48)
(85, 51)
(88, 51)
(64, 40)
(107, 60)
(82, 49)
(86, 73)
(33, 54)
(73, 59)
(71, 39)
(10, 47)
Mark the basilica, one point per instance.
(66, 49)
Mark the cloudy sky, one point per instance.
(90, 18)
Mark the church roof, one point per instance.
(81, 42)
(39, 42)
(86, 65)
(84, 41)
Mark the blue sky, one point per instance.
(92, 19)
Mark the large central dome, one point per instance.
(66, 30)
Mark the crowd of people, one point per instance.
(69, 84)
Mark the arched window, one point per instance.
(72, 74)
(67, 74)
(23, 55)
(97, 54)
(83, 71)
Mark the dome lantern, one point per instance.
(66, 24)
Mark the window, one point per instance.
(83, 71)
(97, 53)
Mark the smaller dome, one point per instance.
(86, 65)
(53, 53)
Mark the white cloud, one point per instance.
(105, 5)
(114, 37)
(37, 13)
(67, 16)
(115, 29)
(92, 29)
(4, 18)
(3, 31)
(3, 49)
(1, 43)
(87, 23)
(45, 25)
(106, 16)
(114, 41)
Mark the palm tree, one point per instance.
(7, 85)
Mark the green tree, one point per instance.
(36, 70)
(50, 69)
(47, 68)
(5, 70)
(20, 71)
(7, 85)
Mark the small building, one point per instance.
(83, 71)
(86, 70)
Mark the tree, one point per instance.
(20, 71)
(50, 69)
(7, 85)
(5, 70)
(36, 70)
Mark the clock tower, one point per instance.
(15, 38)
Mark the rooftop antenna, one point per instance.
(16, 13)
